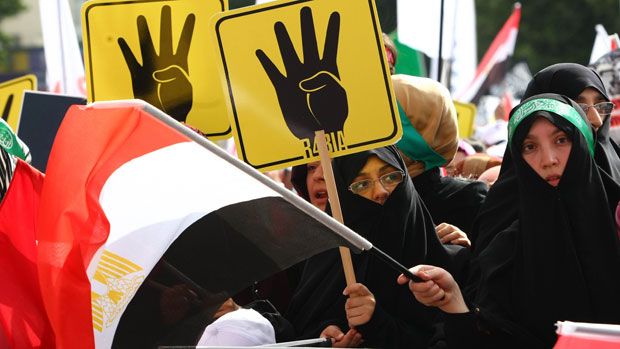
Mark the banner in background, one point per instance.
(63, 60)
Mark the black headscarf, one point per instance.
(561, 259)
(402, 228)
(499, 208)
(570, 79)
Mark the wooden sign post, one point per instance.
(334, 201)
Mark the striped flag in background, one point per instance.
(494, 65)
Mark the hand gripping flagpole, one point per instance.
(334, 202)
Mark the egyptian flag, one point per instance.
(146, 227)
(494, 65)
(23, 321)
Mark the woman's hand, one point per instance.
(360, 306)
(450, 234)
(341, 340)
(438, 290)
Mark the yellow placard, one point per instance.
(466, 116)
(158, 51)
(11, 97)
(305, 65)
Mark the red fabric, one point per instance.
(507, 101)
(587, 342)
(90, 145)
(22, 315)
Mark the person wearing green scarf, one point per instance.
(429, 142)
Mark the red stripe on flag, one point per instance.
(73, 225)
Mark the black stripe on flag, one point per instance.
(215, 257)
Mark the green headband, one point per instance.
(10, 142)
(551, 105)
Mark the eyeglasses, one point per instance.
(603, 108)
(387, 180)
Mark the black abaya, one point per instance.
(560, 260)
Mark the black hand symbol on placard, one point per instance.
(7, 108)
(310, 95)
(162, 80)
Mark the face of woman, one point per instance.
(590, 96)
(315, 182)
(546, 149)
(376, 180)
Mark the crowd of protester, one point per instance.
(504, 245)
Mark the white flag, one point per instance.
(65, 69)
(602, 44)
(418, 28)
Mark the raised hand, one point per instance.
(310, 95)
(162, 80)
(7, 107)
(360, 306)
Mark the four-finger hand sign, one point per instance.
(310, 93)
(162, 80)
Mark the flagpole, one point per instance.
(62, 47)
(440, 58)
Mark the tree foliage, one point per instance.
(8, 8)
(550, 31)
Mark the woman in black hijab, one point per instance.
(402, 228)
(581, 84)
(560, 260)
